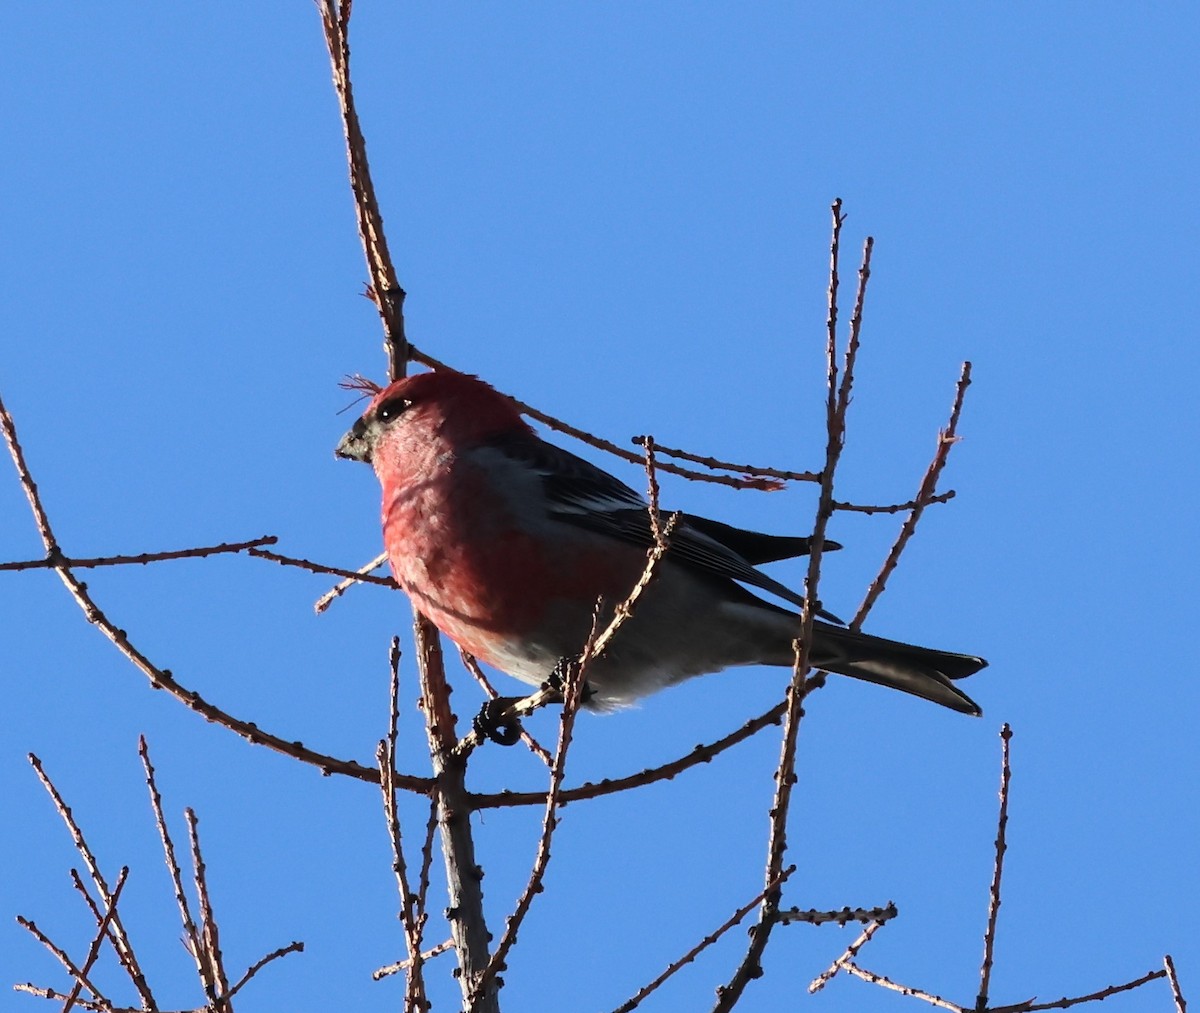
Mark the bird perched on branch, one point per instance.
(505, 542)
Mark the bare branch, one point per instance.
(402, 965)
(1065, 1003)
(842, 916)
(925, 495)
(894, 508)
(468, 924)
(916, 993)
(574, 677)
(741, 469)
(208, 953)
(989, 936)
(191, 936)
(826, 976)
(385, 290)
(121, 939)
(1176, 991)
(102, 933)
(700, 947)
(354, 576)
(78, 974)
(54, 562)
(258, 965)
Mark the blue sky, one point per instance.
(619, 213)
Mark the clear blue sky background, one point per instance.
(619, 213)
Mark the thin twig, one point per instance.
(989, 936)
(403, 965)
(258, 965)
(734, 919)
(53, 562)
(741, 469)
(841, 917)
(60, 954)
(826, 976)
(354, 576)
(946, 439)
(916, 993)
(209, 960)
(1176, 991)
(411, 919)
(101, 934)
(1104, 993)
(385, 289)
(122, 944)
(189, 926)
(837, 401)
(894, 508)
(574, 678)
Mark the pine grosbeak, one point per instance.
(505, 542)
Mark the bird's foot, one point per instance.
(557, 681)
(494, 723)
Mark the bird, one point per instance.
(506, 542)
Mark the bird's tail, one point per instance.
(920, 671)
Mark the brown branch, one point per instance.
(734, 919)
(53, 562)
(840, 917)
(837, 402)
(412, 913)
(258, 965)
(989, 936)
(762, 484)
(97, 942)
(208, 953)
(121, 939)
(61, 955)
(894, 508)
(1065, 1003)
(1176, 991)
(826, 976)
(742, 469)
(574, 679)
(385, 290)
(916, 993)
(354, 576)
(468, 924)
(191, 936)
(946, 439)
(401, 965)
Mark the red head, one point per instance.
(427, 410)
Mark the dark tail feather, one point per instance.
(920, 671)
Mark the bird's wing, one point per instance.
(577, 492)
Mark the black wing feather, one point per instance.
(582, 494)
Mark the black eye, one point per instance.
(391, 409)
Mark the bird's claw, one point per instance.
(492, 723)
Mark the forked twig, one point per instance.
(677, 965)
(826, 976)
